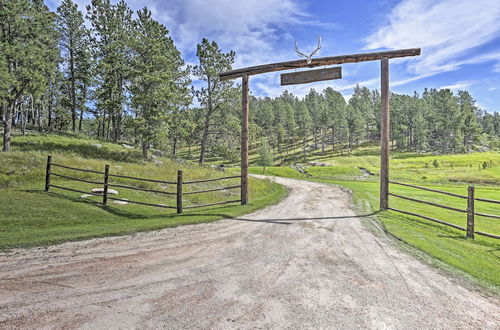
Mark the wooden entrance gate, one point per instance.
(383, 57)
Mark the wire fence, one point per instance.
(470, 211)
(106, 183)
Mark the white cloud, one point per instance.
(250, 27)
(459, 85)
(447, 31)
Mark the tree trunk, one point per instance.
(21, 112)
(83, 106)
(145, 148)
(73, 88)
(98, 120)
(315, 136)
(333, 138)
(7, 125)
(33, 121)
(103, 125)
(304, 148)
(49, 115)
(323, 142)
(174, 148)
(106, 136)
(39, 117)
(117, 116)
(80, 121)
(113, 128)
(204, 139)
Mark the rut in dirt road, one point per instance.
(308, 262)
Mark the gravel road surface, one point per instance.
(308, 262)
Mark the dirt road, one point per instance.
(307, 262)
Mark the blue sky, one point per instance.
(460, 39)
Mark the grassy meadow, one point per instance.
(29, 216)
(479, 258)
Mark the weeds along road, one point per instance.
(307, 262)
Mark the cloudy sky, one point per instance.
(460, 39)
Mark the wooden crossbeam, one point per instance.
(352, 58)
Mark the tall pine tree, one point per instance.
(159, 84)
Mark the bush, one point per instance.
(265, 155)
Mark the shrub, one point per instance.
(265, 155)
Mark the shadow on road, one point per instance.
(172, 214)
(286, 220)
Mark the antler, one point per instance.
(317, 47)
(314, 52)
(298, 51)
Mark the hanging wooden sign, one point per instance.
(304, 77)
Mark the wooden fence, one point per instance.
(106, 184)
(470, 211)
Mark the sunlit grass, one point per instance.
(29, 216)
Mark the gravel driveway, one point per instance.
(307, 262)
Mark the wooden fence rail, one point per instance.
(429, 189)
(429, 218)
(76, 169)
(216, 179)
(487, 200)
(470, 208)
(106, 184)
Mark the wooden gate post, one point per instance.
(105, 191)
(47, 173)
(470, 212)
(179, 192)
(244, 140)
(384, 135)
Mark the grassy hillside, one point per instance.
(29, 216)
(479, 167)
(479, 257)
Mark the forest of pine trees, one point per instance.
(120, 77)
(436, 120)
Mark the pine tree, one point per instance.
(361, 100)
(111, 29)
(158, 80)
(470, 128)
(28, 55)
(216, 94)
(304, 123)
(336, 114)
(74, 46)
(265, 156)
(313, 103)
(357, 126)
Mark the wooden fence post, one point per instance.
(244, 139)
(47, 173)
(384, 134)
(105, 191)
(179, 192)
(470, 212)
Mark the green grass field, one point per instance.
(479, 258)
(29, 216)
